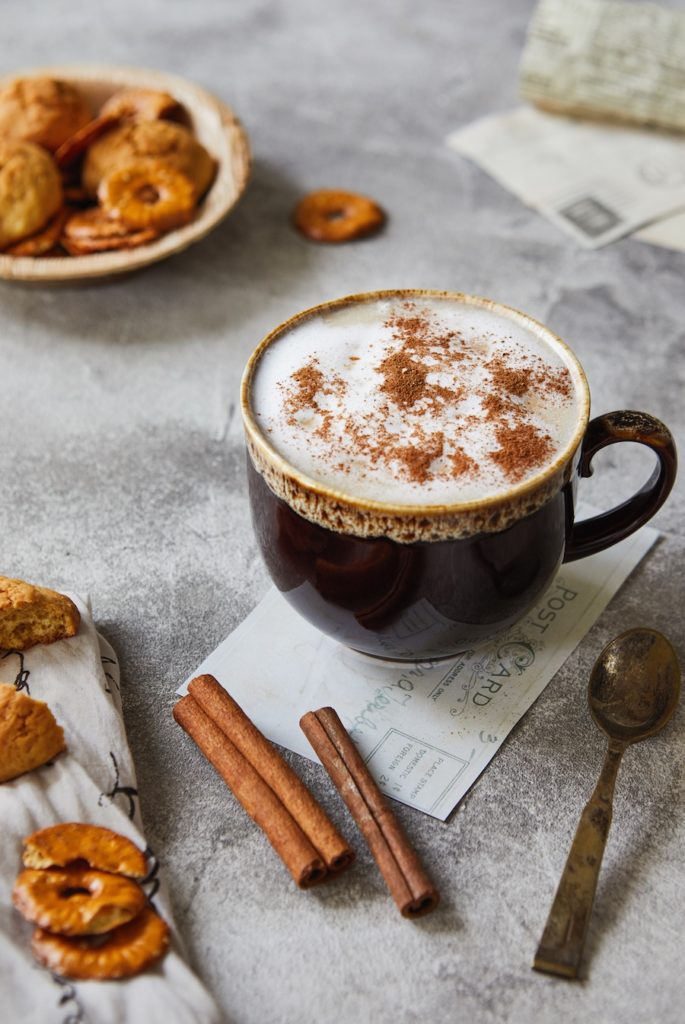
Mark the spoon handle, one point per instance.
(561, 945)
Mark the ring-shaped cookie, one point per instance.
(93, 230)
(330, 215)
(100, 848)
(122, 953)
(148, 193)
(76, 901)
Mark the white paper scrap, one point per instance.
(426, 730)
(597, 182)
(668, 233)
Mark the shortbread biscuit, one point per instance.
(30, 191)
(42, 110)
(43, 241)
(163, 139)
(32, 615)
(29, 734)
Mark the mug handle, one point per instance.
(599, 532)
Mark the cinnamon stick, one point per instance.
(409, 885)
(218, 704)
(259, 800)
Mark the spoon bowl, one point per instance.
(634, 685)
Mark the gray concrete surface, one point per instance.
(122, 476)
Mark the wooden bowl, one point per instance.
(213, 123)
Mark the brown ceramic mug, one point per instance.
(419, 579)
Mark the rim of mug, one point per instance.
(283, 465)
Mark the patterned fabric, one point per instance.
(94, 781)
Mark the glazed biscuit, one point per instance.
(123, 952)
(32, 615)
(148, 193)
(75, 900)
(41, 110)
(102, 849)
(94, 223)
(330, 215)
(29, 734)
(30, 194)
(88, 247)
(94, 230)
(161, 139)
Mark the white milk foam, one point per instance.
(325, 396)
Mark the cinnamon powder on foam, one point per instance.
(423, 349)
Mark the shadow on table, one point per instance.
(217, 283)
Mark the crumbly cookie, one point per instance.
(163, 139)
(32, 615)
(42, 110)
(29, 734)
(30, 194)
(44, 240)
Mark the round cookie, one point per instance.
(30, 190)
(102, 849)
(42, 110)
(330, 215)
(162, 139)
(77, 901)
(126, 951)
(148, 193)
(94, 230)
(44, 241)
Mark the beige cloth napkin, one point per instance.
(94, 781)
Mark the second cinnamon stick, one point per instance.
(409, 885)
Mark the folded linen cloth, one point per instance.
(93, 781)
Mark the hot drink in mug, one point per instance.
(413, 458)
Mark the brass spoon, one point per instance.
(634, 689)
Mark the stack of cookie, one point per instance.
(81, 887)
(72, 183)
